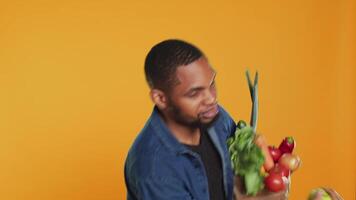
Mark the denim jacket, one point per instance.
(158, 167)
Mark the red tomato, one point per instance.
(274, 182)
(280, 169)
(275, 153)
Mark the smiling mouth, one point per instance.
(211, 113)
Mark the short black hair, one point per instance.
(163, 60)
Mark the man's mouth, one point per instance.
(210, 113)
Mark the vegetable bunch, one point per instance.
(246, 158)
(258, 164)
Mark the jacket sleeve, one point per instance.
(156, 188)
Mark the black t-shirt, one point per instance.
(212, 164)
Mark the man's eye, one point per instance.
(193, 94)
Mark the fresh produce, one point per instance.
(319, 194)
(289, 161)
(259, 165)
(246, 158)
(260, 141)
(274, 182)
(275, 153)
(287, 145)
(255, 164)
(241, 124)
(280, 169)
(324, 193)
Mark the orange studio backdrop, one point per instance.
(73, 94)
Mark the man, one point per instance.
(181, 152)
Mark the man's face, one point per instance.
(193, 101)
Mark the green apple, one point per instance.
(319, 194)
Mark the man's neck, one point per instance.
(184, 134)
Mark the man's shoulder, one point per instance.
(146, 154)
(144, 146)
(224, 117)
(223, 112)
(225, 123)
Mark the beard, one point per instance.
(179, 117)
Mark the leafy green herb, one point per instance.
(246, 159)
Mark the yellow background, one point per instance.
(73, 95)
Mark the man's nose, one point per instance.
(210, 97)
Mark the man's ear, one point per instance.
(159, 98)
